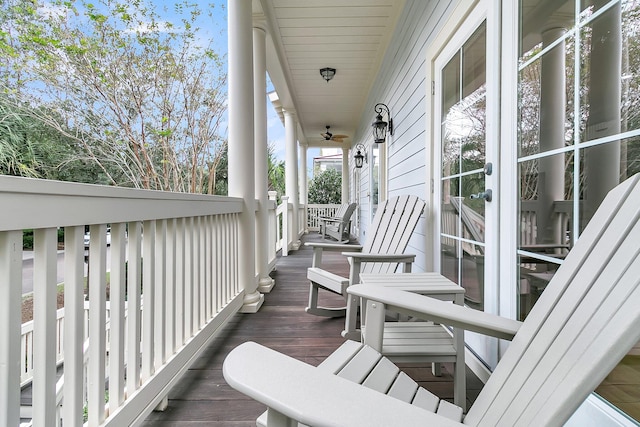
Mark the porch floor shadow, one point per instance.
(203, 398)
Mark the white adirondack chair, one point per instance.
(387, 239)
(584, 323)
(338, 226)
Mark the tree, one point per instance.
(30, 148)
(141, 97)
(326, 188)
(275, 173)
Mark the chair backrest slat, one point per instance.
(348, 212)
(582, 325)
(341, 210)
(391, 230)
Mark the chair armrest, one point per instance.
(315, 397)
(369, 257)
(318, 248)
(334, 246)
(329, 218)
(426, 308)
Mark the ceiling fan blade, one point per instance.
(341, 136)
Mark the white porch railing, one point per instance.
(26, 343)
(317, 211)
(178, 250)
(285, 236)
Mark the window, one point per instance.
(578, 137)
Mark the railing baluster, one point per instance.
(196, 275)
(44, 321)
(215, 226)
(207, 264)
(74, 325)
(26, 372)
(234, 285)
(159, 300)
(180, 283)
(148, 298)
(134, 280)
(229, 245)
(97, 318)
(202, 255)
(188, 279)
(117, 294)
(170, 287)
(10, 349)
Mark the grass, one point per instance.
(27, 300)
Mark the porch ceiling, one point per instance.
(304, 36)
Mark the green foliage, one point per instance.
(326, 187)
(275, 173)
(137, 96)
(27, 239)
(29, 148)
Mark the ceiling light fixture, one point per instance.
(327, 73)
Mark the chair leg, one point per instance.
(322, 311)
(350, 331)
(436, 369)
(460, 385)
(276, 419)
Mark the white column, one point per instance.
(345, 175)
(304, 191)
(552, 121)
(241, 136)
(265, 283)
(291, 170)
(602, 162)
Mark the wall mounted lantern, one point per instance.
(380, 126)
(327, 73)
(361, 155)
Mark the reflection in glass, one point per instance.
(450, 226)
(545, 218)
(463, 153)
(375, 179)
(625, 164)
(560, 193)
(545, 110)
(536, 16)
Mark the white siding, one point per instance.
(401, 86)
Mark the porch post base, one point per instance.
(296, 245)
(252, 306)
(265, 285)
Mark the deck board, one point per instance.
(202, 397)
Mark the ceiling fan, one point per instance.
(328, 136)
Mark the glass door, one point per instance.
(464, 101)
(578, 137)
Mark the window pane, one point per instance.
(536, 16)
(545, 218)
(449, 206)
(474, 61)
(545, 104)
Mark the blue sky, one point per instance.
(214, 29)
(216, 32)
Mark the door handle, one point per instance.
(486, 195)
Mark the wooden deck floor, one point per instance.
(202, 397)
